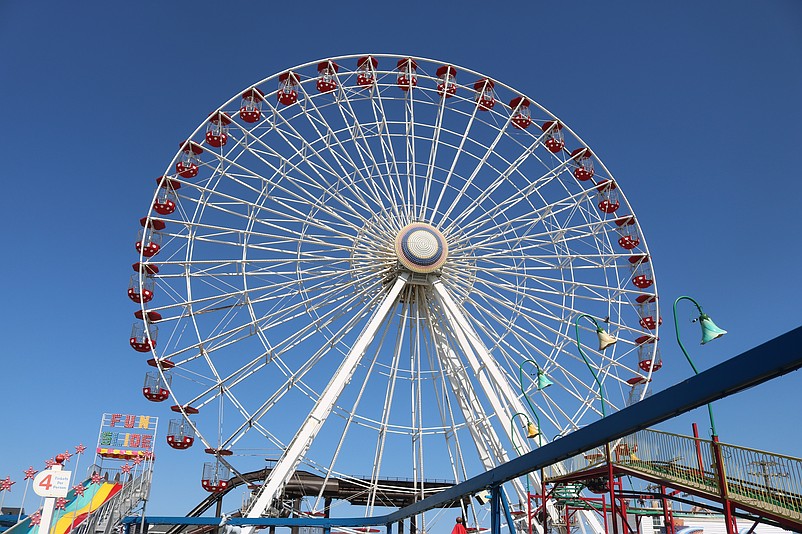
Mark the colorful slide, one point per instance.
(76, 509)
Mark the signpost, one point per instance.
(51, 484)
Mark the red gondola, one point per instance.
(217, 129)
(608, 197)
(584, 164)
(215, 476)
(407, 73)
(187, 166)
(327, 76)
(448, 81)
(288, 88)
(649, 358)
(366, 65)
(180, 434)
(521, 115)
(165, 202)
(629, 233)
(251, 105)
(555, 141)
(155, 388)
(485, 96)
(642, 274)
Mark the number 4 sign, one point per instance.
(51, 483)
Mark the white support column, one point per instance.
(490, 366)
(302, 440)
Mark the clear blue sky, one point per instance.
(694, 106)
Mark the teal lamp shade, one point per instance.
(709, 329)
(543, 380)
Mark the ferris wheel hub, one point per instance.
(421, 248)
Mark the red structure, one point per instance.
(155, 389)
(217, 129)
(555, 141)
(150, 237)
(407, 74)
(327, 76)
(366, 66)
(187, 166)
(647, 305)
(448, 81)
(608, 197)
(641, 274)
(215, 476)
(165, 202)
(648, 358)
(521, 115)
(144, 335)
(485, 95)
(288, 88)
(628, 231)
(140, 288)
(584, 164)
(180, 434)
(250, 109)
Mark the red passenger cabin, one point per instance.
(521, 115)
(187, 166)
(583, 169)
(165, 202)
(250, 107)
(180, 434)
(288, 88)
(628, 231)
(485, 95)
(647, 306)
(144, 333)
(649, 358)
(448, 81)
(149, 239)
(555, 141)
(641, 272)
(407, 73)
(155, 387)
(217, 129)
(366, 67)
(215, 476)
(327, 76)
(608, 196)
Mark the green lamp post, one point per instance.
(709, 332)
(605, 340)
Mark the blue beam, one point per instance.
(774, 358)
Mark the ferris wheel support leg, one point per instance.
(302, 440)
(487, 444)
(470, 342)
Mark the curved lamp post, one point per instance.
(605, 340)
(542, 383)
(709, 332)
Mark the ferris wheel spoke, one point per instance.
(503, 176)
(504, 227)
(320, 120)
(394, 184)
(295, 378)
(302, 439)
(433, 149)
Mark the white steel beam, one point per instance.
(284, 468)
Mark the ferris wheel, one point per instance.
(371, 267)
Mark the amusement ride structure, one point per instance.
(371, 267)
